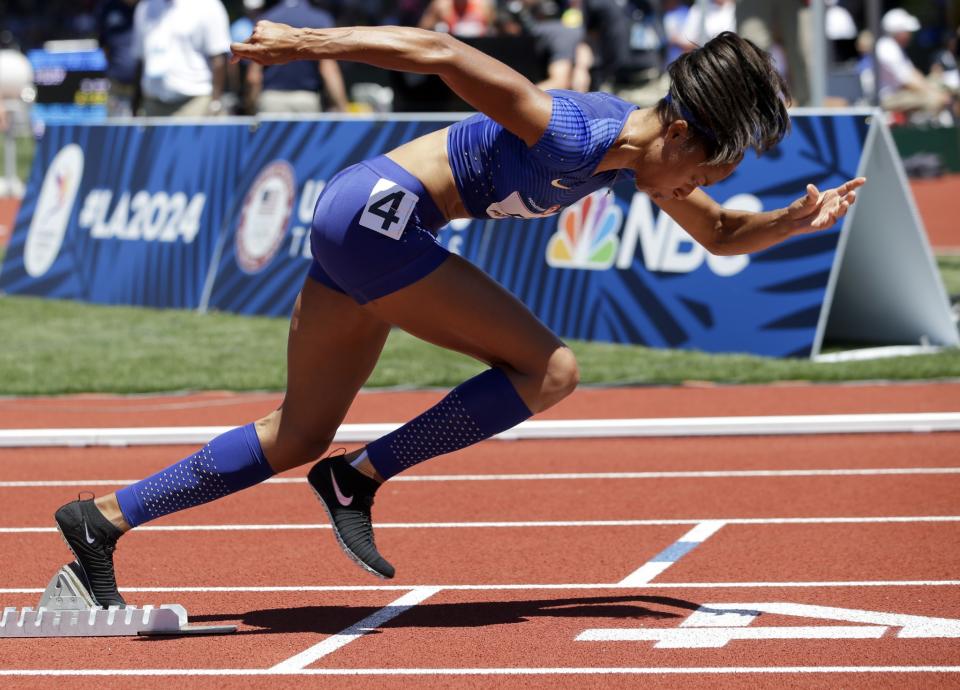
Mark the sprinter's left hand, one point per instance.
(820, 210)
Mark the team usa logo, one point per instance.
(587, 234)
(263, 219)
(51, 218)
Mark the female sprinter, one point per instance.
(377, 264)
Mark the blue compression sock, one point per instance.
(473, 411)
(230, 462)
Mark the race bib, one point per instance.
(388, 209)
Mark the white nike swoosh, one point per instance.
(556, 183)
(344, 500)
(86, 531)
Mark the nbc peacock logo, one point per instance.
(587, 233)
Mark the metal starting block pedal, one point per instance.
(67, 609)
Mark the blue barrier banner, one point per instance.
(124, 214)
(217, 216)
(264, 253)
(612, 268)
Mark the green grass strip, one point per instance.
(950, 272)
(54, 347)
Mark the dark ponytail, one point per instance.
(731, 95)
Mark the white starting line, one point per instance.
(777, 425)
(709, 626)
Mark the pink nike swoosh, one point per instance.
(344, 500)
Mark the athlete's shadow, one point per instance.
(468, 614)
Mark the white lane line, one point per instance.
(519, 671)
(707, 637)
(513, 587)
(527, 524)
(702, 532)
(344, 637)
(555, 476)
(673, 553)
(777, 425)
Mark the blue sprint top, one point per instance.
(498, 176)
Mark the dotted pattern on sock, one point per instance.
(444, 428)
(188, 483)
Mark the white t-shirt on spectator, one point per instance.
(719, 18)
(175, 39)
(896, 69)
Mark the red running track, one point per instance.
(693, 400)
(937, 202)
(850, 553)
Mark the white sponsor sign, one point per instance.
(54, 207)
(714, 625)
(142, 216)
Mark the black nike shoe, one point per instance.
(347, 495)
(92, 538)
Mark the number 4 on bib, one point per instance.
(388, 209)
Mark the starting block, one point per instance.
(67, 609)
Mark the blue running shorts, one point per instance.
(374, 231)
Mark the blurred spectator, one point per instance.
(16, 83)
(236, 96)
(182, 47)
(360, 12)
(295, 87)
(700, 27)
(560, 38)
(242, 27)
(35, 22)
(463, 18)
(409, 12)
(16, 72)
(607, 23)
(84, 20)
(784, 22)
(115, 35)
(841, 33)
(569, 56)
(903, 87)
(944, 70)
(674, 18)
(865, 43)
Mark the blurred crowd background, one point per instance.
(92, 59)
